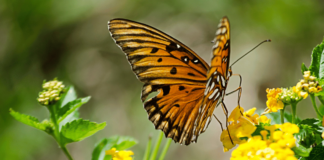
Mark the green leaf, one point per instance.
(316, 153)
(68, 96)
(310, 131)
(275, 117)
(79, 129)
(71, 107)
(302, 151)
(99, 151)
(303, 68)
(317, 63)
(125, 142)
(118, 142)
(27, 119)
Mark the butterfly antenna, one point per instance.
(268, 40)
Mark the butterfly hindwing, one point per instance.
(167, 66)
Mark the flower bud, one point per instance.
(312, 78)
(51, 92)
(303, 94)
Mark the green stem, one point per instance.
(157, 145)
(148, 149)
(319, 115)
(165, 149)
(282, 115)
(66, 152)
(293, 108)
(57, 135)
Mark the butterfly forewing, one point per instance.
(217, 75)
(169, 67)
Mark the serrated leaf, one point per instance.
(316, 153)
(79, 129)
(310, 131)
(302, 151)
(317, 63)
(71, 107)
(27, 119)
(303, 68)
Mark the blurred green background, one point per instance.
(43, 39)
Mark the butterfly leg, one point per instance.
(226, 114)
(219, 121)
(239, 89)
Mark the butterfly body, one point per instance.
(188, 87)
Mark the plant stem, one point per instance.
(157, 145)
(282, 115)
(57, 135)
(293, 108)
(66, 152)
(165, 149)
(319, 115)
(148, 149)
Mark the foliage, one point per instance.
(64, 123)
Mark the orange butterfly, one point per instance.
(189, 89)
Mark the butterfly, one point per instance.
(189, 89)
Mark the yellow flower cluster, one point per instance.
(51, 92)
(273, 102)
(120, 155)
(307, 85)
(273, 147)
(240, 126)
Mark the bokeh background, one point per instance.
(43, 39)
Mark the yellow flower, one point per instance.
(303, 94)
(277, 146)
(236, 114)
(273, 102)
(273, 92)
(274, 105)
(240, 126)
(225, 138)
(120, 155)
(264, 119)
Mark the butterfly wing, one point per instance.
(168, 66)
(217, 75)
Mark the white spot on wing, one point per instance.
(213, 94)
(212, 85)
(223, 30)
(217, 43)
(223, 81)
(195, 61)
(217, 96)
(218, 31)
(178, 46)
(217, 80)
(207, 86)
